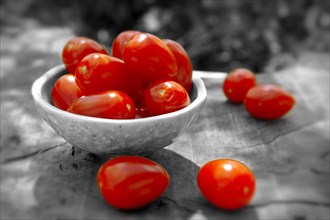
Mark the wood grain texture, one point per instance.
(42, 177)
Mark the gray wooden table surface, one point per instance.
(43, 177)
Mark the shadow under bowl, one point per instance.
(106, 137)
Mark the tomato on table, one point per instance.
(131, 182)
(65, 91)
(237, 84)
(120, 42)
(184, 66)
(163, 97)
(99, 72)
(268, 102)
(226, 183)
(148, 57)
(76, 49)
(108, 104)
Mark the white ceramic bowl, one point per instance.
(111, 136)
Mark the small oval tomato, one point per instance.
(184, 72)
(65, 91)
(268, 102)
(76, 49)
(148, 57)
(120, 43)
(109, 104)
(99, 72)
(131, 182)
(226, 183)
(237, 84)
(162, 97)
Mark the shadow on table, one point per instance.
(66, 188)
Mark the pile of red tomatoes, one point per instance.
(144, 76)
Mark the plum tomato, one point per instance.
(65, 91)
(108, 104)
(226, 183)
(131, 182)
(76, 49)
(119, 43)
(268, 102)
(163, 97)
(99, 72)
(148, 57)
(237, 84)
(184, 66)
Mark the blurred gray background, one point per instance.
(218, 35)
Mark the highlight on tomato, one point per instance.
(131, 182)
(141, 112)
(226, 183)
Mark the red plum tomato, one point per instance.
(76, 49)
(65, 91)
(99, 72)
(148, 57)
(120, 42)
(226, 183)
(108, 104)
(184, 66)
(131, 182)
(163, 97)
(237, 84)
(268, 102)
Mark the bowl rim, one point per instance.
(37, 96)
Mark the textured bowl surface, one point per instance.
(110, 136)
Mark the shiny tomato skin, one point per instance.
(237, 84)
(99, 72)
(108, 104)
(76, 49)
(120, 43)
(268, 102)
(148, 57)
(163, 97)
(184, 65)
(226, 183)
(65, 91)
(131, 182)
